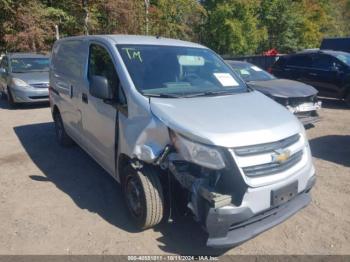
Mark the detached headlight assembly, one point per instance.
(19, 82)
(199, 154)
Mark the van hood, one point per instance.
(283, 88)
(227, 121)
(33, 77)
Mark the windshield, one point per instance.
(25, 65)
(178, 71)
(251, 72)
(345, 58)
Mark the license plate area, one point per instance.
(284, 194)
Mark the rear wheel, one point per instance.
(61, 135)
(144, 196)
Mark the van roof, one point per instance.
(137, 39)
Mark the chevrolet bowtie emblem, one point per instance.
(281, 156)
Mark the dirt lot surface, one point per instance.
(59, 201)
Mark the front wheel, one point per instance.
(144, 196)
(3, 95)
(10, 99)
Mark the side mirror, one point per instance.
(335, 68)
(100, 88)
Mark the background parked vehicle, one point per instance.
(299, 98)
(24, 78)
(327, 71)
(336, 44)
(171, 121)
(262, 61)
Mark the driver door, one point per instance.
(100, 117)
(323, 75)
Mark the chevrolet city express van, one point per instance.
(176, 126)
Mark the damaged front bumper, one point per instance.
(230, 226)
(308, 119)
(222, 234)
(306, 112)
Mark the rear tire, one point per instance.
(62, 137)
(144, 198)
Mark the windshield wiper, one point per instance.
(164, 95)
(208, 93)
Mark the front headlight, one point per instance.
(199, 154)
(19, 82)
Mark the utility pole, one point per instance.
(147, 10)
(57, 32)
(85, 4)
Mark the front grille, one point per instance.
(295, 101)
(39, 97)
(304, 114)
(272, 168)
(40, 85)
(266, 148)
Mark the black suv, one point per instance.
(327, 71)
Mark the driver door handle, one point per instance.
(84, 98)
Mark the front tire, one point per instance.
(3, 95)
(61, 135)
(10, 99)
(144, 198)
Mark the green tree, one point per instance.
(294, 25)
(232, 27)
(338, 18)
(119, 16)
(25, 26)
(281, 20)
(176, 18)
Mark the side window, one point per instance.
(322, 62)
(69, 57)
(300, 61)
(281, 62)
(101, 64)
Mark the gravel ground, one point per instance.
(59, 201)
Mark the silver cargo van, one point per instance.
(176, 126)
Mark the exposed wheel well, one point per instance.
(55, 110)
(123, 162)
